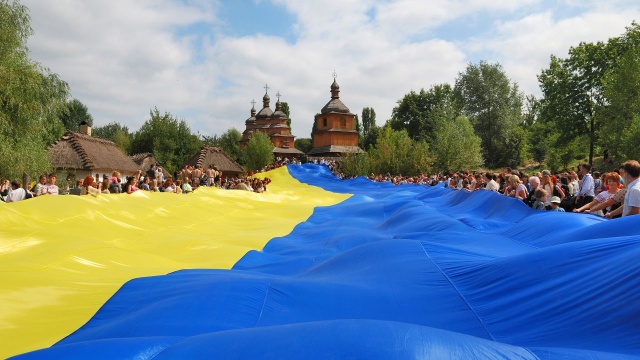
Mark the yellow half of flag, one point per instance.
(62, 257)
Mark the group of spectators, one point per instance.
(611, 194)
(13, 191)
(186, 180)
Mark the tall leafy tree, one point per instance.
(455, 145)
(230, 142)
(285, 109)
(314, 127)
(414, 111)
(493, 104)
(619, 129)
(210, 140)
(572, 92)
(368, 120)
(396, 153)
(170, 140)
(76, 112)
(589, 94)
(31, 98)
(371, 138)
(258, 152)
(355, 165)
(117, 133)
(304, 144)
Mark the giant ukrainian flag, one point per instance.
(351, 269)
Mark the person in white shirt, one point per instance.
(491, 182)
(631, 173)
(37, 189)
(587, 190)
(51, 188)
(16, 193)
(575, 185)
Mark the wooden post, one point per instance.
(25, 181)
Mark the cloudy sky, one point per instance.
(204, 61)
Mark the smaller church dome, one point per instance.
(279, 114)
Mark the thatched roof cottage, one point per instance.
(145, 160)
(80, 154)
(211, 155)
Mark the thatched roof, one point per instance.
(75, 151)
(210, 155)
(145, 160)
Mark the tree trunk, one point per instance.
(592, 136)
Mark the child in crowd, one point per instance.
(555, 204)
(540, 194)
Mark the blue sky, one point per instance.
(205, 60)
(248, 17)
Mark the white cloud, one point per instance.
(524, 46)
(122, 58)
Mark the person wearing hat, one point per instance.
(555, 204)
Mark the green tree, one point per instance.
(230, 142)
(117, 133)
(629, 143)
(368, 121)
(258, 152)
(170, 140)
(371, 138)
(304, 144)
(622, 93)
(414, 111)
(210, 140)
(314, 127)
(542, 138)
(355, 165)
(285, 109)
(31, 99)
(396, 153)
(559, 157)
(455, 145)
(572, 91)
(76, 112)
(493, 104)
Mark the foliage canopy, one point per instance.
(31, 99)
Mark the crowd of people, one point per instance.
(611, 194)
(184, 181)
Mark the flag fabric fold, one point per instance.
(376, 272)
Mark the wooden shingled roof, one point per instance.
(211, 155)
(76, 151)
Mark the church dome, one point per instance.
(279, 113)
(335, 104)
